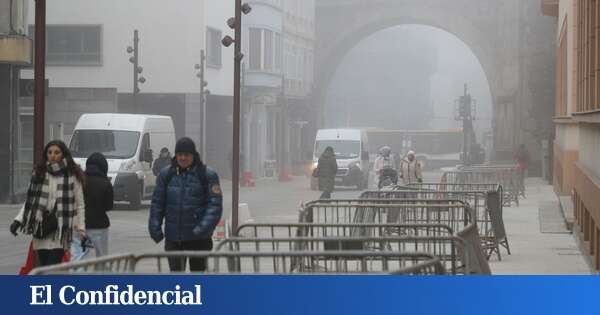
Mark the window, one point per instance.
(588, 84)
(255, 47)
(114, 144)
(213, 47)
(69, 45)
(561, 69)
(277, 51)
(268, 63)
(265, 48)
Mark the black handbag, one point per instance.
(48, 226)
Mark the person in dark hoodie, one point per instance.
(326, 171)
(98, 195)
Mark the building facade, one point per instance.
(278, 44)
(88, 67)
(15, 53)
(298, 52)
(577, 114)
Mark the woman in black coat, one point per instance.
(98, 194)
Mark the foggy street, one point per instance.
(472, 125)
(534, 252)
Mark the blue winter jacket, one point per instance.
(188, 212)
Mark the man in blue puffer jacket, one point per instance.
(188, 198)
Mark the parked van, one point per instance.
(130, 143)
(350, 147)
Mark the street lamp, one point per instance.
(465, 111)
(137, 69)
(203, 93)
(235, 23)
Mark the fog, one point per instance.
(407, 77)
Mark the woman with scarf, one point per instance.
(54, 211)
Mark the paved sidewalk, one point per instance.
(534, 252)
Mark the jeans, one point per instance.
(97, 237)
(196, 264)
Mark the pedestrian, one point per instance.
(522, 158)
(410, 169)
(383, 164)
(188, 199)
(98, 194)
(326, 171)
(54, 211)
(164, 160)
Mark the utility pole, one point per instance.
(284, 167)
(236, 24)
(39, 78)
(137, 69)
(203, 93)
(465, 112)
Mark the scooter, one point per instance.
(388, 177)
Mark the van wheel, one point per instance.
(136, 200)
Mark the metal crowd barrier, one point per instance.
(507, 178)
(486, 206)
(118, 263)
(273, 230)
(431, 267)
(517, 175)
(452, 251)
(453, 213)
(359, 262)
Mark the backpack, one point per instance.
(200, 172)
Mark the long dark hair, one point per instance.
(72, 167)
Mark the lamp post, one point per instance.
(39, 74)
(465, 112)
(203, 93)
(235, 23)
(137, 69)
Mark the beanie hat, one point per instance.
(185, 145)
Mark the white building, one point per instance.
(89, 70)
(299, 43)
(278, 43)
(262, 63)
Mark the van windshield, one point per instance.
(344, 149)
(114, 144)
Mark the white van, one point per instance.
(130, 143)
(350, 147)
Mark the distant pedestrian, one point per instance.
(410, 169)
(523, 159)
(188, 199)
(164, 160)
(326, 171)
(55, 206)
(98, 193)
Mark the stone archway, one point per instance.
(496, 31)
